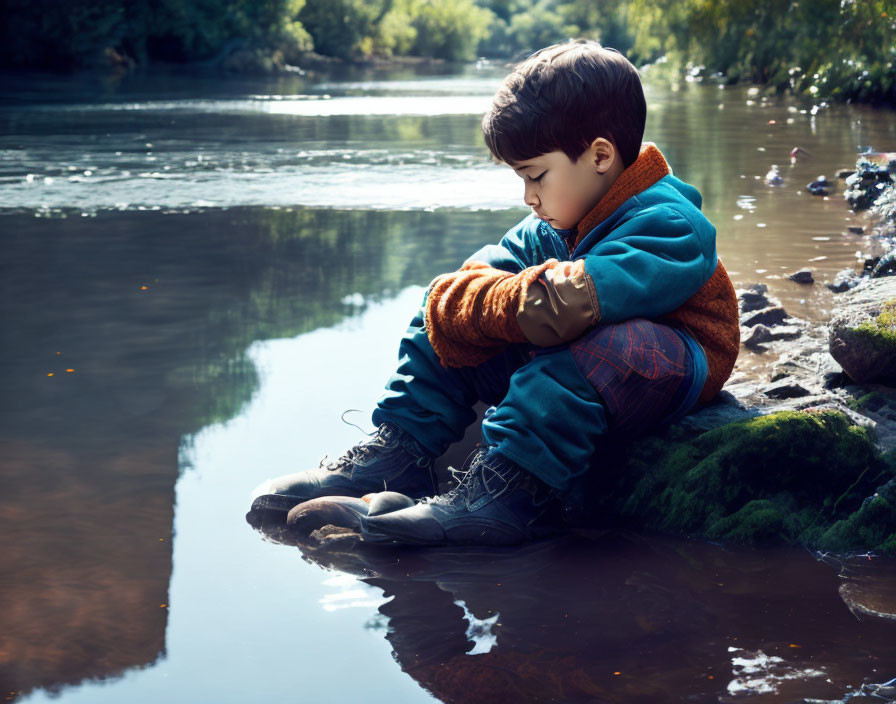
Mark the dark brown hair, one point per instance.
(564, 97)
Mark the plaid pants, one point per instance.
(638, 367)
(550, 406)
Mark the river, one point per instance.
(201, 275)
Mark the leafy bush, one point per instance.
(339, 27)
(449, 29)
(55, 34)
(835, 49)
(840, 49)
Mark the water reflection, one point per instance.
(154, 315)
(186, 147)
(310, 105)
(617, 618)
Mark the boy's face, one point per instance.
(561, 191)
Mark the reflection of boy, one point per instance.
(604, 311)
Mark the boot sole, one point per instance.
(277, 503)
(394, 534)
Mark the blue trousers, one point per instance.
(549, 406)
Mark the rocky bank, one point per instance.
(806, 455)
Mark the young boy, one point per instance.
(604, 311)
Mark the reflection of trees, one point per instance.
(614, 618)
(89, 458)
(234, 132)
(85, 559)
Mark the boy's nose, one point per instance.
(529, 196)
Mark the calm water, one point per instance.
(200, 276)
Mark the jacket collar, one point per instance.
(647, 169)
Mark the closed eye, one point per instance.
(539, 177)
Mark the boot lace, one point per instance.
(476, 477)
(383, 438)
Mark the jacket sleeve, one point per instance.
(647, 266)
(471, 314)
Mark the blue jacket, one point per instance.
(648, 258)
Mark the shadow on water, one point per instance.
(129, 332)
(610, 617)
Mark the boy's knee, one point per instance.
(636, 366)
(637, 346)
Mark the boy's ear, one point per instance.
(603, 154)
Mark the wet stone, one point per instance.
(759, 335)
(335, 536)
(867, 185)
(785, 369)
(803, 276)
(857, 199)
(786, 332)
(750, 301)
(844, 280)
(835, 380)
(786, 389)
(753, 298)
(773, 315)
(762, 334)
(821, 187)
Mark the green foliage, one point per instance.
(607, 21)
(836, 49)
(442, 29)
(53, 34)
(339, 27)
(396, 34)
(540, 27)
(526, 29)
(449, 29)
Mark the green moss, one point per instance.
(869, 402)
(873, 526)
(880, 332)
(887, 317)
(793, 477)
(761, 520)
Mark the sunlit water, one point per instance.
(200, 277)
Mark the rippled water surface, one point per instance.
(200, 276)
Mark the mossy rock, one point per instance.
(794, 477)
(864, 344)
